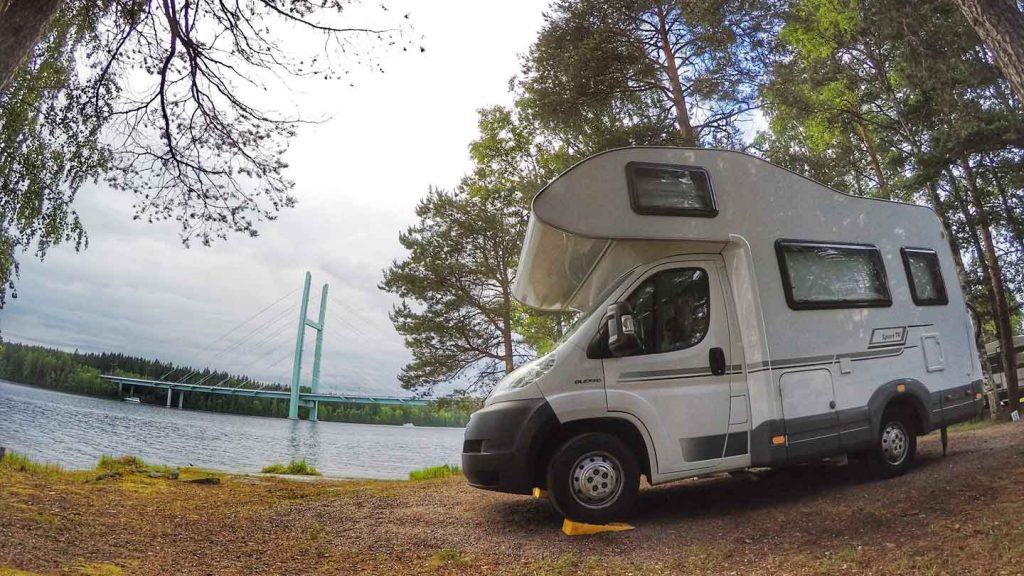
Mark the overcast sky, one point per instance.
(358, 177)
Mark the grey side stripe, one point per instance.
(676, 374)
(804, 362)
(824, 359)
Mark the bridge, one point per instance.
(295, 396)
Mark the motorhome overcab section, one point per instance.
(740, 316)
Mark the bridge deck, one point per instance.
(257, 393)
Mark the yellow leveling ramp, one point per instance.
(580, 529)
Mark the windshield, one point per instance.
(582, 317)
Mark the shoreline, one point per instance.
(962, 510)
(200, 411)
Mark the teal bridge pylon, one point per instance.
(295, 396)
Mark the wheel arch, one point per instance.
(619, 426)
(905, 394)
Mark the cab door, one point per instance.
(679, 383)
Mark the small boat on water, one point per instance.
(408, 425)
(133, 400)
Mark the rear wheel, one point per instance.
(593, 478)
(896, 445)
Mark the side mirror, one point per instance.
(622, 337)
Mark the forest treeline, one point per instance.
(890, 99)
(79, 373)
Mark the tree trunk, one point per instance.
(1000, 24)
(508, 352)
(689, 138)
(21, 24)
(1001, 310)
(876, 165)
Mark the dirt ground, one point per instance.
(956, 515)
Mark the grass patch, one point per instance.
(561, 566)
(15, 572)
(448, 557)
(295, 467)
(99, 570)
(21, 463)
(117, 466)
(444, 471)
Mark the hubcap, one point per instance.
(596, 480)
(894, 443)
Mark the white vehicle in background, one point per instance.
(995, 362)
(735, 315)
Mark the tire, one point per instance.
(895, 446)
(594, 478)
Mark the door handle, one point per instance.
(716, 358)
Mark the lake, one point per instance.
(74, 431)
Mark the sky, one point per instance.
(358, 176)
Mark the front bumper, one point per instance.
(498, 450)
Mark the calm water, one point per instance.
(75, 431)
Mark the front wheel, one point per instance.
(593, 478)
(896, 445)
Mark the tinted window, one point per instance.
(669, 189)
(924, 277)
(671, 310)
(819, 275)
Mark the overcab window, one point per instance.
(670, 189)
(832, 275)
(924, 276)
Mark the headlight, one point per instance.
(525, 375)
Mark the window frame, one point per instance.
(634, 195)
(656, 330)
(905, 255)
(787, 286)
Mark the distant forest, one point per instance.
(80, 374)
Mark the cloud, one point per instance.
(358, 177)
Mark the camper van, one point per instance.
(732, 315)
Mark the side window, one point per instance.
(642, 302)
(672, 310)
(832, 275)
(924, 277)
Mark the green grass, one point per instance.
(448, 557)
(21, 463)
(435, 472)
(110, 466)
(296, 467)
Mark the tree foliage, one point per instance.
(613, 73)
(458, 275)
(902, 100)
(166, 100)
(457, 313)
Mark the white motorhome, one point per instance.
(733, 315)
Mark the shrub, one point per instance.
(444, 471)
(296, 467)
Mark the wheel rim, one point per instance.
(596, 480)
(895, 443)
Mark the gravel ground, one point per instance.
(955, 515)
